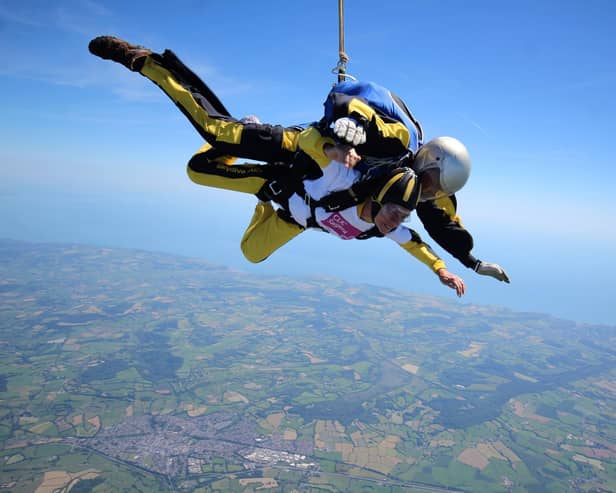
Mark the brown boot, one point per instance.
(118, 50)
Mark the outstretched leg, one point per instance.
(262, 142)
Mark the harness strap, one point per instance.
(288, 178)
(331, 203)
(371, 233)
(290, 181)
(406, 109)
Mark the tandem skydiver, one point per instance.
(302, 148)
(379, 125)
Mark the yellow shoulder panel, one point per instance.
(311, 142)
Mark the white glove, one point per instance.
(349, 131)
(492, 270)
(250, 119)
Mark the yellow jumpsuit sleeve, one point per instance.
(311, 141)
(387, 129)
(424, 254)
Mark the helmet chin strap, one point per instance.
(369, 210)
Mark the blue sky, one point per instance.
(95, 154)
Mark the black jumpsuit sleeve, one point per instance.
(444, 226)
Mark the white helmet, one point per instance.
(450, 157)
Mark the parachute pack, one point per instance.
(379, 98)
(372, 168)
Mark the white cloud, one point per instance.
(126, 85)
(71, 15)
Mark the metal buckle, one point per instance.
(271, 186)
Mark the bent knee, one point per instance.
(194, 176)
(200, 168)
(202, 162)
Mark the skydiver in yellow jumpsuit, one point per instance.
(211, 165)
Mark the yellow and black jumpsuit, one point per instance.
(439, 218)
(390, 138)
(228, 138)
(386, 137)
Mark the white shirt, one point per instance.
(346, 223)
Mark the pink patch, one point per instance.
(340, 226)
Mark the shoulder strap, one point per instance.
(371, 233)
(400, 102)
(287, 178)
(344, 199)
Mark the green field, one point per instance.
(126, 370)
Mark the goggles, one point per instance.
(431, 184)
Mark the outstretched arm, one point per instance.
(445, 227)
(422, 252)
